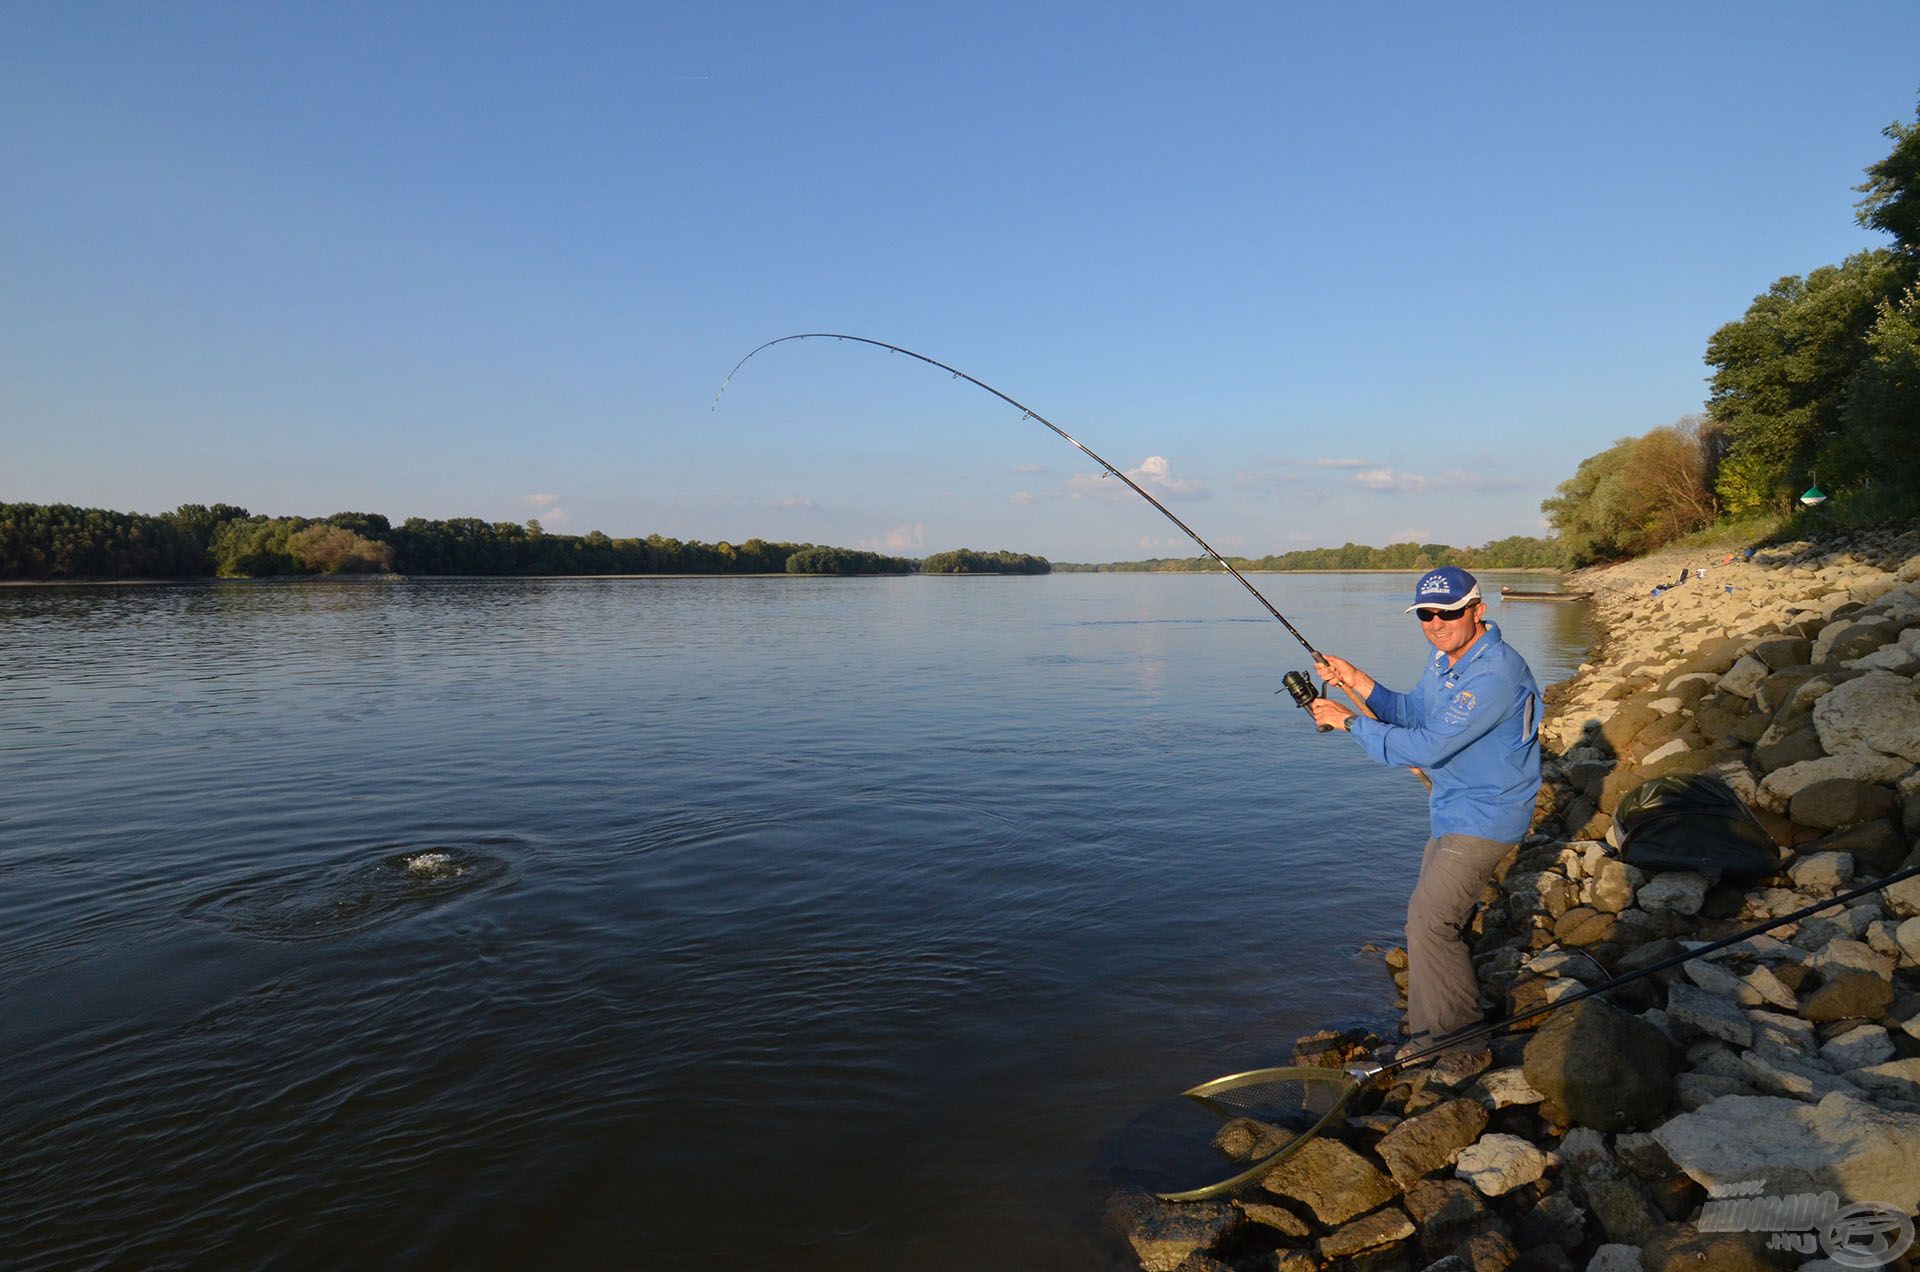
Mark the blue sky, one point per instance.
(1365, 272)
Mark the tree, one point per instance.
(1782, 374)
(1892, 190)
(1883, 402)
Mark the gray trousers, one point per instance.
(1442, 994)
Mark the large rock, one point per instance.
(1781, 785)
(1330, 1179)
(1446, 1212)
(1607, 1069)
(1673, 892)
(1848, 996)
(1744, 677)
(1498, 1164)
(1897, 1078)
(1839, 802)
(1876, 846)
(1164, 1234)
(1840, 641)
(1844, 1144)
(1784, 651)
(1376, 1232)
(1698, 1013)
(1877, 712)
(1796, 747)
(1422, 1145)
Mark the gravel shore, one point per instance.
(1758, 1107)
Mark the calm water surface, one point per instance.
(695, 922)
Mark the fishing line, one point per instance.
(1027, 412)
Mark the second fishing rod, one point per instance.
(1296, 684)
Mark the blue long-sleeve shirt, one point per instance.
(1475, 728)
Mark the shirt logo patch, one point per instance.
(1460, 708)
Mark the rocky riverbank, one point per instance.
(1757, 1107)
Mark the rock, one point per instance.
(1673, 892)
(1446, 1211)
(1791, 747)
(1163, 1234)
(1903, 898)
(1697, 1090)
(1642, 1154)
(1783, 651)
(1331, 1180)
(1245, 1140)
(1454, 1069)
(1607, 1069)
(1840, 802)
(1877, 712)
(1681, 1247)
(1907, 937)
(1769, 989)
(1897, 1078)
(1498, 1164)
(1619, 1208)
(1781, 1073)
(1857, 1048)
(1889, 658)
(1421, 1145)
(1842, 1143)
(1506, 1088)
(1278, 1218)
(1696, 1012)
(1821, 872)
(1615, 1258)
(1488, 1251)
(1556, 1220)
(1840, 641)
(1612, 888)
(1377, 1231)
(1876, 846)
(1744, 677)
(1780, 786)
(1583, 1152)
(1836, 957)
(1582, 926)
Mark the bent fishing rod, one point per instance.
(1297, 685)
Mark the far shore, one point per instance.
(471, 578)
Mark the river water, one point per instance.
(794, 923)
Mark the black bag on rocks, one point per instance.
(1691, 822)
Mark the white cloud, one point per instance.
(1154, 475)
(1027, 468)
(1388, 480)
(899, 539)
(1023, 498)
(1411, 534)
(797, 501)
(546, 508)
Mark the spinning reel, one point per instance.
(1303, 693)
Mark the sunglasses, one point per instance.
(1441, 615)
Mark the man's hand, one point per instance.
(1338, 671)
(1330, 713)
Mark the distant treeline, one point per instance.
(1517, 552)
(967, 561)
(60, 541)
(1818, 384)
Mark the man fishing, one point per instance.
(1473, 724)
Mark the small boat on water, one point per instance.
(1508, 594)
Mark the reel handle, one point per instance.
(1303, 693)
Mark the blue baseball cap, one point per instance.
(1448, 587)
